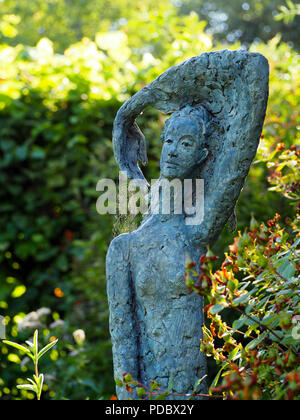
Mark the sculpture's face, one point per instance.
(183, 149)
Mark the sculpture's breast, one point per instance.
(158, 258)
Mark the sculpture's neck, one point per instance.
(169, 199)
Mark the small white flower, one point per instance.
(79, 337)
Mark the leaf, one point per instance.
(286, 269)
(28, 387)
(40, 385)
(35, 345)
(216, 380)
(242, 299)
(254, 343)
(31, 381)
(296, 243)
(41, 381)
(233, 354)
(18, 347)
(198, 383)
(36, 340)
(238, 324)
(162, 396)
(141, 391)
(216, 309)
(46, 348)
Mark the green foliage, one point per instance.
(8, 25)
(56, 116)
(153, 391)
(247, 21)
(259, 355)
(32, 351)
(288, 12)
(66, 22)
(54, 146)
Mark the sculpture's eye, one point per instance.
(186, 142)
(169, 141)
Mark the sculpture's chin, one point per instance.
(172, 173)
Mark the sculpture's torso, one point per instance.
(168, 317)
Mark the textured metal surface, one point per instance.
(218, 100)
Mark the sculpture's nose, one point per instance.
(173, 154)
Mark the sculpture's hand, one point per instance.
(130, 148)
(128, 140)
(203, 156)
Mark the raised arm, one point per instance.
(233, 87)
(128, 140)
(234, 141)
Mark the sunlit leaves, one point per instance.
(261, 351)
(57, 112)
(36, 385)
(18, 291)
(288, 12)
(46, 349)
(18, 347)
(8, 25)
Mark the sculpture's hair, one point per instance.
(196, 113)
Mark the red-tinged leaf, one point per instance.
(129, 389)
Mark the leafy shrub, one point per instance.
(32, 351)
(54, 146)
(56, 114)
(259, 354)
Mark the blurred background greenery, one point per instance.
(65, 69)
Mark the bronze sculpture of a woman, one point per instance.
(217, 103)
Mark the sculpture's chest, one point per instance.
(159, 262)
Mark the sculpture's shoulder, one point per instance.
(118, 248)
(127, 246)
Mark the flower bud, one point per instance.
(79, 337)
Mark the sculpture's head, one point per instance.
(184, 142)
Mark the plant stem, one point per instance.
(262, 326)
(256, 322)
(37, 376)
(36, 370)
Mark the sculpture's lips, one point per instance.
(172, 163)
